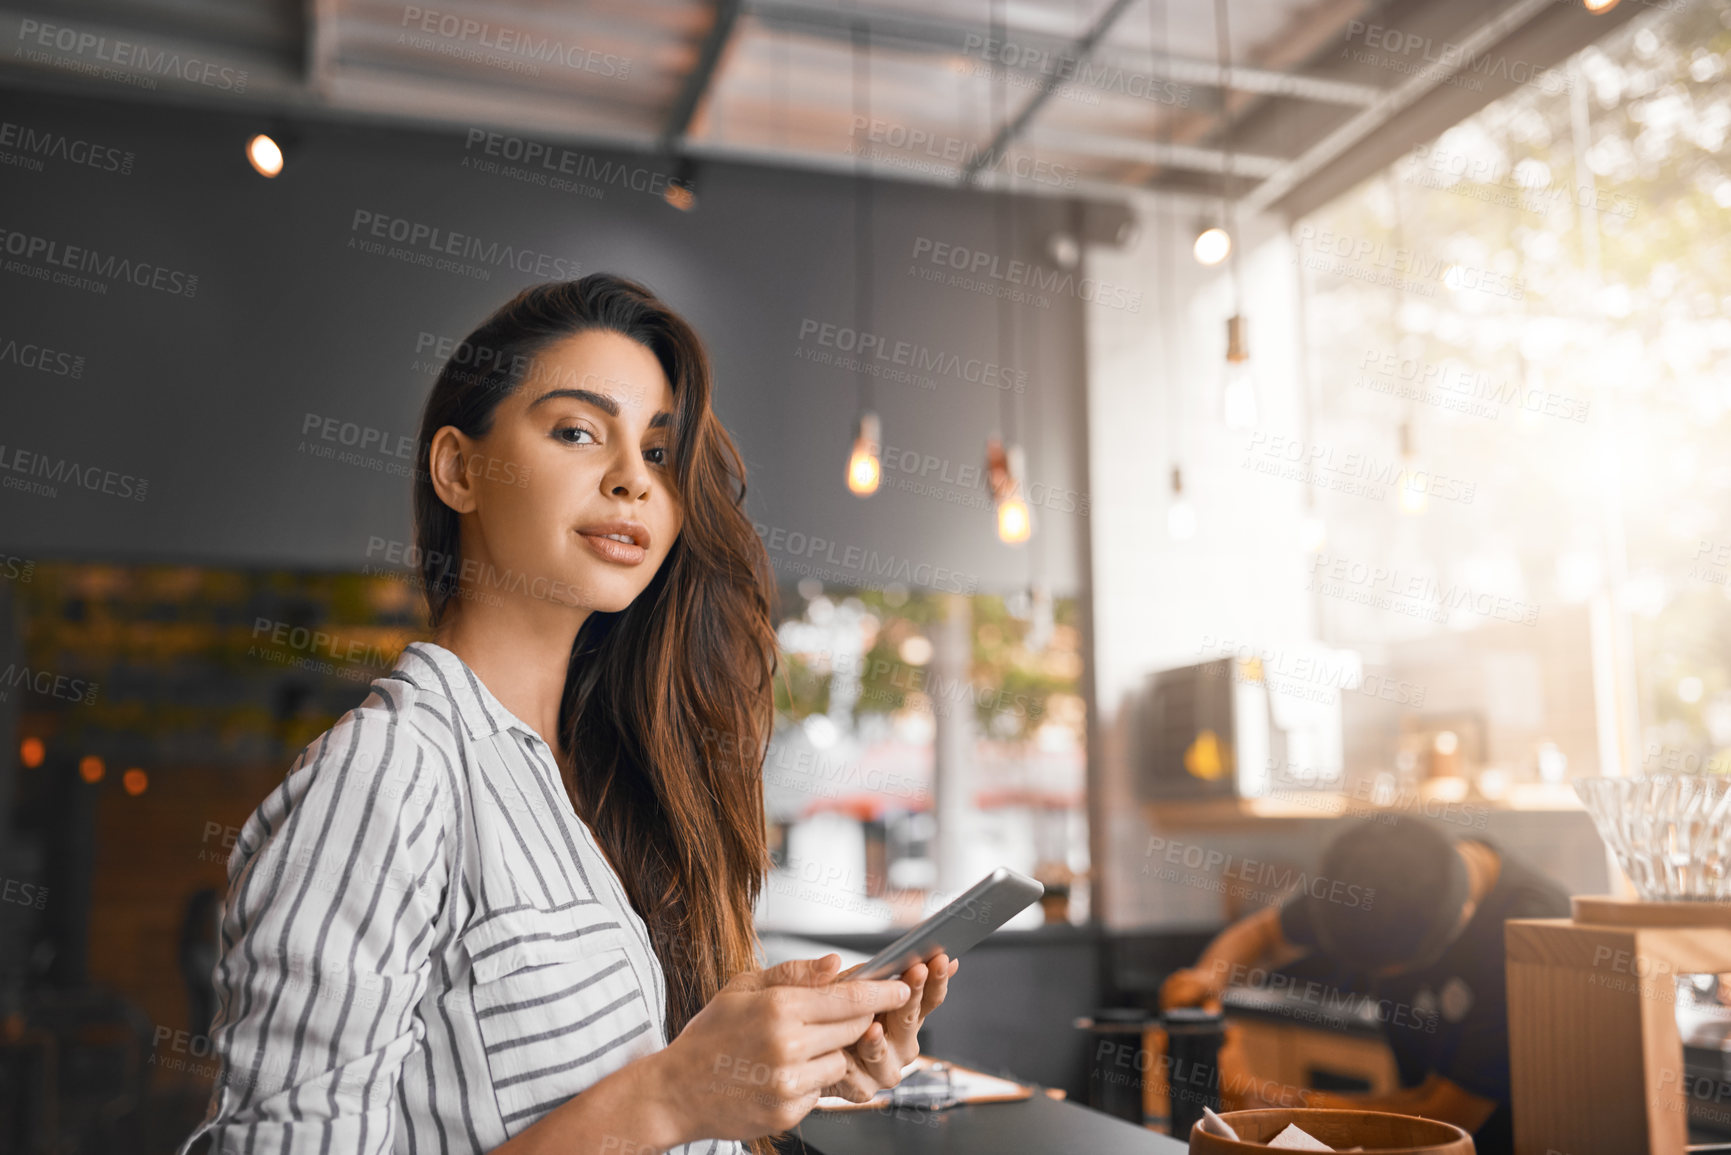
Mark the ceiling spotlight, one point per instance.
(265, 155)
(1212, 245)
(1597, 7)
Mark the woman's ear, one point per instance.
(446, 454)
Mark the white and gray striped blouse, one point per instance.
(423, 949)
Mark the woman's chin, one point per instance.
(605, 597)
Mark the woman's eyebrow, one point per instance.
(600, 400)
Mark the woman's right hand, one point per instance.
(754, 1060)
(1191, 987)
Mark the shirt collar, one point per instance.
(434, 668)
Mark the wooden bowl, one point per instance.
(1372, 1130)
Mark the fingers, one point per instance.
(796, 1089)
(902, 1025)
(1182, 989)
(800, 972)
(856, 1086)
(823, 1072)
(822, 1037)
(838, 1001)
(879, 1059)
(871, 1047)
(907, 1015)
(938, 983)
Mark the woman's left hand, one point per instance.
(892, 1041)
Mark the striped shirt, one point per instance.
(424, 949)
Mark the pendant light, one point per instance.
(1212, 245)
(269, 151)
(1238, 383)
(1214, 242)
(265, 155)
(864, 467)
(1004, 462)
(864, 470)
(1180, 513)
(1312, 529)
(1412, 497)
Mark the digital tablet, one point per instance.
(987, 905)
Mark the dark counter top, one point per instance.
(1037, 1126)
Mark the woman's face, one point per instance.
(570, 494)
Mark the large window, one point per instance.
(885, 695)
(1518, 344)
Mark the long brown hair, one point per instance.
(668, 703)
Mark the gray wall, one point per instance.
(205, 397)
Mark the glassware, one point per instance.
(1671, 833)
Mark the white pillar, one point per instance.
(953, 743)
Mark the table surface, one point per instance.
(1038, 1126)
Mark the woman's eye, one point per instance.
(571, 434)
(656, 456)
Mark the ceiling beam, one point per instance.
(915, 32)
(1266, 82)
(702, 74)
(1163, 153)
(940, 176)
(1331, 147)
(321, 44)
(1049, 83)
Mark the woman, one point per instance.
(481, 904)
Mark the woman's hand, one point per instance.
(893, 1039)
(755, 1058)
(1191, 987)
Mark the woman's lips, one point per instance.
(608, 549)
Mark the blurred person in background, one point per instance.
(1417, 918)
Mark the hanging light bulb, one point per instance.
(1004, 475)
(681, 190)
(1238, 389)
(864, 470)
(1412, 497)
(1180, 514)
(1014, 521)
(1212, 245)
(265, 155)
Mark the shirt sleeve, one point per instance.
(1480, 1062)
(335, 885)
